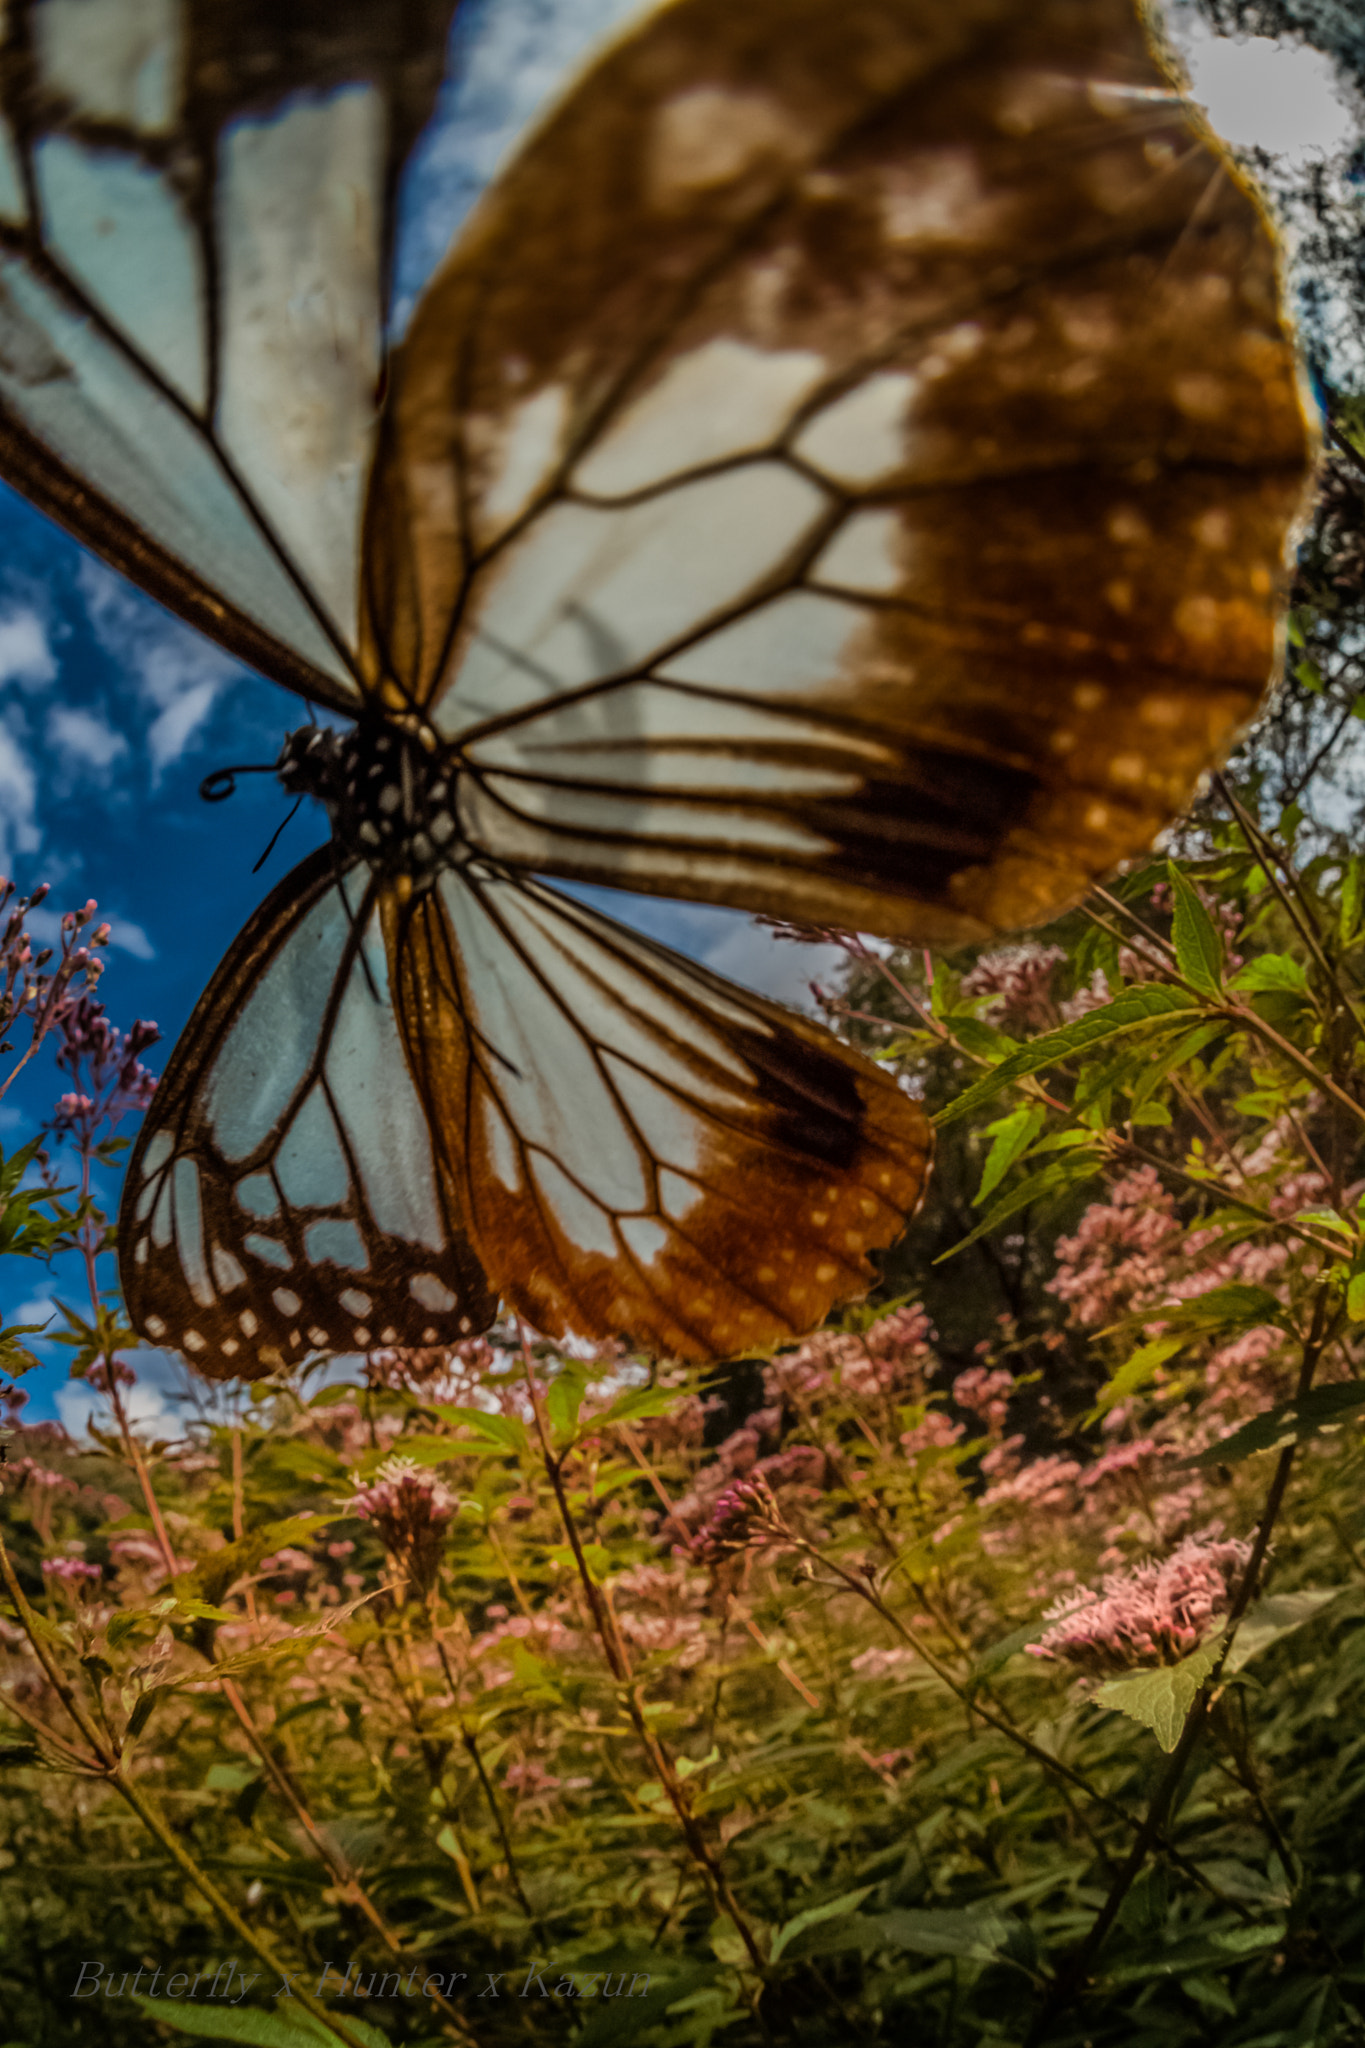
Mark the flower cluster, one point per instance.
(1019, 982)
(38, 989)
(412, 1509)
(746, 1514)
(1155, 1613)
(106, 1067)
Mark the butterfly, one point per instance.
(842, 469)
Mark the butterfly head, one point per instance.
(391, 800)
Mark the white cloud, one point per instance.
(1264, 94)
(131, 938)
(177, 674)
(19, 833)
(84, 738)
(507, 58)
(25, 655)
(146, 1406)
(171, 733)
(781, 968)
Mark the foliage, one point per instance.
(825, 1692)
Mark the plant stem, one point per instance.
(155, 1823)
(472, 1751)
(1073, 1977)
(614, 1649)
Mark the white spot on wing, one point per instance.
(670, 1130)
(336, 1239)
(310, 1165)
(267, 1248)
(257, 1196)
(528, 449)
(721, 400)
(800, 642)
(286, 1301)
(354, 1302)
(189, 1231)
(645, 1236)
(227, 1271)
(159, 1149)
(299, 235)
(576, 1214)
(860, 439)
(120, 228)
(119, 63)
(867, 553)
(431, 1292)
(678, 1196)
(592, 590)
(502, 1154)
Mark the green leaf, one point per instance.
(563, 1401)
(507, 1431)
(1355, 1298)
(1135, 1372)
(1316, 1413)
(1278, 971)
(1198, 946)
(1011, 1135)
(1161, 1063)
(999, 1653)
(259, 2029)
(1277, 1616)
(1152, 1003)
(1352, 887)
(1064, 1173)
(638, 1404)
(221, 1567)
(813, 1915)
(1237, 1305)
(979, 1937)
(1162, 1698)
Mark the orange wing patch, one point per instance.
(640, 1149)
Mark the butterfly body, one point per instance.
(842, 469)
(392, 797)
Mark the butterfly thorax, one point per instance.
(391, 801)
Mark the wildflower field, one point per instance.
(988, 1668)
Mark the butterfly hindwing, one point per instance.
(282, 1197)
(640, 1149)
(845, 467)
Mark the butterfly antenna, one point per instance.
(274, 837)
(218, 787)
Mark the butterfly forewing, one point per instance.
(196, 219)
(283, 1197)
(638, 1148)
(868, 438)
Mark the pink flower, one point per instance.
(1155, 1613)
(412, 1509)
(1018, 979)
(71, 1571)
(1118, 1259)
(985, 1392)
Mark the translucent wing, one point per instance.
(195, 213)
(846, 467)
(638, 1148)
(282, 1197)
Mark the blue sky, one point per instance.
(111, 712)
